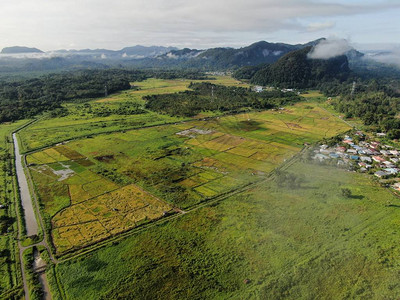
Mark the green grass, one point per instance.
(306, 243)
(10, 281)
(51, 131)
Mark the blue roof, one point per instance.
(355, 157)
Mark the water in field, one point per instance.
(39, 266)
(26, 200)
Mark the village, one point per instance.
(364, 155)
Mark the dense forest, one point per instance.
(26, 98)
(210, 97)
(377, 109)
(297, 70)
(375, 101)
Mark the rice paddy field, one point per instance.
(309, 242)
(94, 188)
(81, 121)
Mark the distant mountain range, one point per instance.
(257, 53)
(19, 50)
(135, 52)
(24, 59)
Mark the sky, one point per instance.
(79, 24)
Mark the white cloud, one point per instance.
(329, 48)
(391, 57)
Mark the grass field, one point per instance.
(267, 243)
(82, 120)
(155, 86)
(182, 164)
(313, 94)
(10, 281)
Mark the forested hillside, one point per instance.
(297, 70)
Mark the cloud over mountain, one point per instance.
(329, 48)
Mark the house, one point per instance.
(395, 160)
(384, 152)
(258, 89)
(362, 164)
(378, 159)
(352, 151)
(396, 186)
(392, 171)
(374, 145)
(380, 134)
(354, 157)
(347, 138)
(381, 174)
(394, 152)
(363, 170)
(341, 149)
(361, 151)
(388, 164)
(368, 152)
(366, 158)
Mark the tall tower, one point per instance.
(105, 90)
